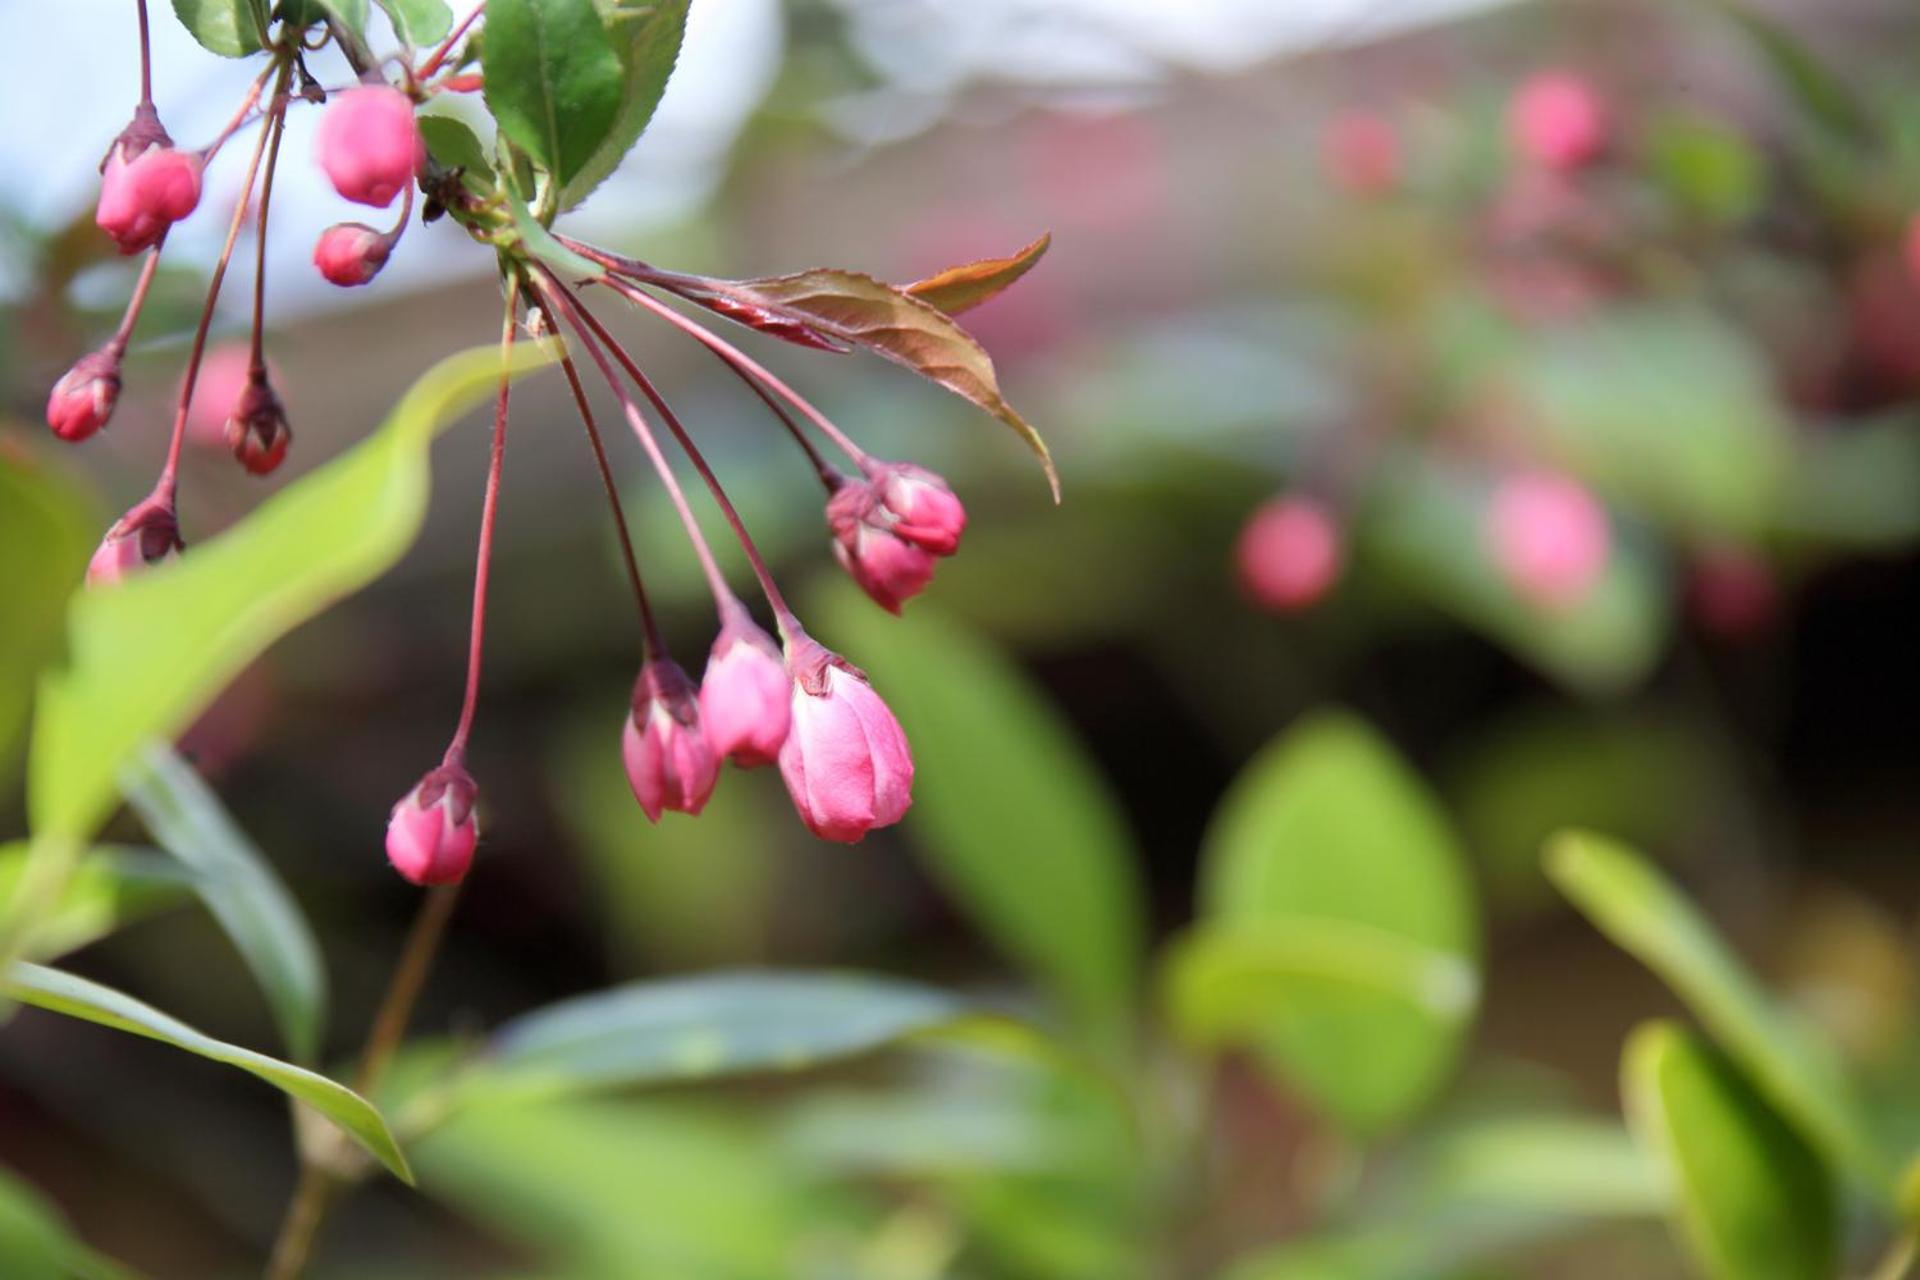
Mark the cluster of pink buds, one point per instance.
(891, 526)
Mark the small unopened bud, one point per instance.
(1559, 120)
(1360, 154)
(888, 567)
(369, 144)
(146, 186)
(670, 764)
(146, 534)
(83, 399)
(432, 832)
(745, 693)
(257, 429)
(921, 508)
(846, 762)
(1550, 538)
(351, 253)
(1289, 554)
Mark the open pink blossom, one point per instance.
(144, 194)
(369, 144)
(745, 693)
(432, 832)
(1559, 120)
(146, 534)
(83, 400)
(846, 762)
(1289, 554)
(1549, 537)
(670, 764)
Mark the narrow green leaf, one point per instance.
(646, 35)
(1327, 830)
(78, 998)
(965, 287)
(48, 527)
(1571, 1166)
(1646, 915)
(419, 22)
(110, 888)
(1753, 1202)
(241, 889)
(1000, 775)
(37, 1244)
(226, 27)
(824, 306)
(553, 80)
(539, 242)
(703, 1027)
(452, 144)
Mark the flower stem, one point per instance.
(439, 55)
(247, 104)
(276, 127)
(314, 1191)
(146, 59)
(131, 316)
(782, 614)
(168, 484)
(489, 514)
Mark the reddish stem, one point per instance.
(649, 630)
(782, 614)
(276, 127)
(168, 484)
(489, 515)
(124, 333)
(561, 303)
(439, 55)
(146, 59)
(247, 104)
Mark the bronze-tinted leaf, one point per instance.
(965, 287)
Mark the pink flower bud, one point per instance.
(1289, 554)
(1558, 119)
(222, 379)
(669, 762)
(887, 566)
(923, 510)
(431, 833)
(144, 193)
(257, 429)
(83, 399)
(351, 253)
(369, 144)
(147, 534)
(1549, 537)
(745, 694)
(1360, 153)
(845, 761)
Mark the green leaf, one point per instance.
(1000, 775)
(646, 35)
(829, 307)
(37, 1244)
(1753, 1202)
(1827, 99)
(703, 1027)
(419, 22)
(540, 243)
(553, 80)
(452, 144)
(47, 530)
(1856, 488)
(1570, 1166)
(351, 14)
(1708, 168)
(226, 27)
(110, 887)
(1326, 829)
(241, 889)
(965, 287)
(1423, 527)
(1643, 913)
(78, 998)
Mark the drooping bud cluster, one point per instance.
(744, 693)
(846, 762)
(890, 527)
(146, 186)
(146, 534)
(432, 832)
(670, 764)
(83, 400)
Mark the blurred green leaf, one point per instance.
(1566, 1165)
(626, 1190)
(1709, 169)
(419, 22)
(1424, 526)
(79, 998)
(1327, 827)
(1646, 915)
(47, 531)
(110, 888)
(1827, 99)
(1008, 809)
(554, 81)
(37, 1244)
(1752, 1200)
(703, 1027)
(1856, 486)
(646, 35)
(229, 28)
(1663, 407)
(240, 887)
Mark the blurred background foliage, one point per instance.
(1271, 886)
